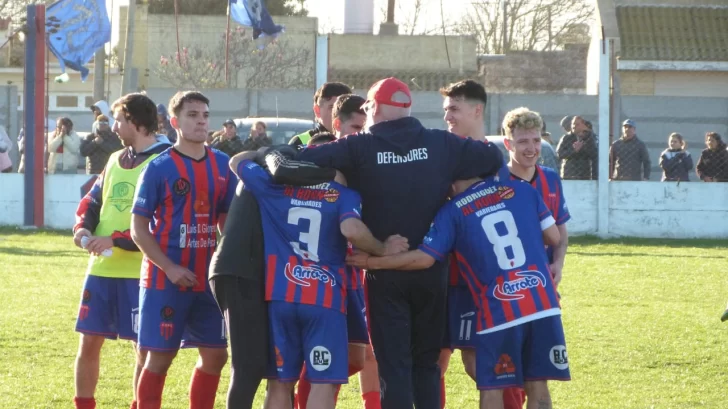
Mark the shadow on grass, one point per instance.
(666, 243)
(21, 251)
(31, 231)
(602, 254)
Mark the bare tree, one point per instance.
(539, 25)
(412, 18)
(278, 65)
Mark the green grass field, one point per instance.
(641, 318)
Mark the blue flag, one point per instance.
(253, 13)
(76, 29)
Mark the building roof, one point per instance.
(660, 33)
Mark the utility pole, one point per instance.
(390, 11)
(128, 48)
(99, 71)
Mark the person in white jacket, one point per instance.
(64, 147)
(6, 165)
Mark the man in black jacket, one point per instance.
(237, 279)
(578, 152)
(323, 105)
(403, 173)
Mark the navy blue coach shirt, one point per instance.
(403, 172)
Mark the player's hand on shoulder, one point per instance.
(181, 276)
(357, 259)
(97, 244)
(80, 233)
(395, 244)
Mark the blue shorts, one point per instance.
(461, 317)
(534, 351)
(356, 322)
(109, 307)
(308, 334)
(170, 319)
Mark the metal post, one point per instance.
(322, 60)
(603, 179)
(99, 80)
(40, 115)
(128, 48)
(29, 113)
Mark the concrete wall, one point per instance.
(536, 72)
(674, 83)
(636, 209)
(355, 51)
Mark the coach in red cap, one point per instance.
(403, 172)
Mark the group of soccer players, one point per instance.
(159, 210)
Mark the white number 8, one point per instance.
(311, 237)
(501, 243)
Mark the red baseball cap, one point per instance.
(384, 93)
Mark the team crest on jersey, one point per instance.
(303, 275)
(181, 186)
(166, 327)
(331, 195)
(122, 194)
(505, 192)
(510, 291)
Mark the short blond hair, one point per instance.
(521, 118)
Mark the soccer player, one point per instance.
(464, 105)
(237, 280)
(181, 201)
(524, 149)
(495, 228)
(323, 104)
(305, 231)
(348, 116)
(110, 297)
(344, 120)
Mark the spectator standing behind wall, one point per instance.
(628, 157)
(227, 140)
(577, 150)
(713, 162)
(676, 161)
(63, 148)
(99, 145)
(6, 165)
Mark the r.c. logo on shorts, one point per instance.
(320, 358)
(86, 297)
(558, 357)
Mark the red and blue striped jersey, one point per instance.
(305, 250)
(548, 184)
(184, 199)
(495, 228)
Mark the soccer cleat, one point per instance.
(724, 317)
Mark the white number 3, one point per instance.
(502, 242)
(310, 237)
